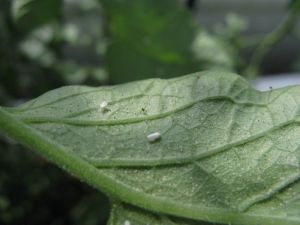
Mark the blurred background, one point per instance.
(45, 44)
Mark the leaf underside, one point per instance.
(227, 153)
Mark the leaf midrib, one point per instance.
(67, 120)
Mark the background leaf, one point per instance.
(294, 5)
(30, 14)
(149, 39)
(214, 52)
(38, 201)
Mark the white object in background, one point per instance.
(276, 81)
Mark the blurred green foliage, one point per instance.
(161, 39)
(46, 44)
(154, 41)
(32, 191)
(28, 15)
(294, 5)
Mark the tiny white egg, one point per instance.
(153, 136)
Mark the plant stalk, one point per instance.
(265, 46)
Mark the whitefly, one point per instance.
(104, 106)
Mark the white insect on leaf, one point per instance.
(153, 136)
(103, 106)
(126, 222)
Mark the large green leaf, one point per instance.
(30, 14)
(227, 152)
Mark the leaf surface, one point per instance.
(227, 153)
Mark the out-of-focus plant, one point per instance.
(64, 40)
(149, 39)
(296, 32)
(155, 39)
(33, 59)
(284, 28)
(20, 77)
(28, 196)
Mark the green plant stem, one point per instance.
(296, 34)
(249, 41)
(264, 47)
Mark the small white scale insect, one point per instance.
(126, 222)
(153, 136)
(103, 106)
